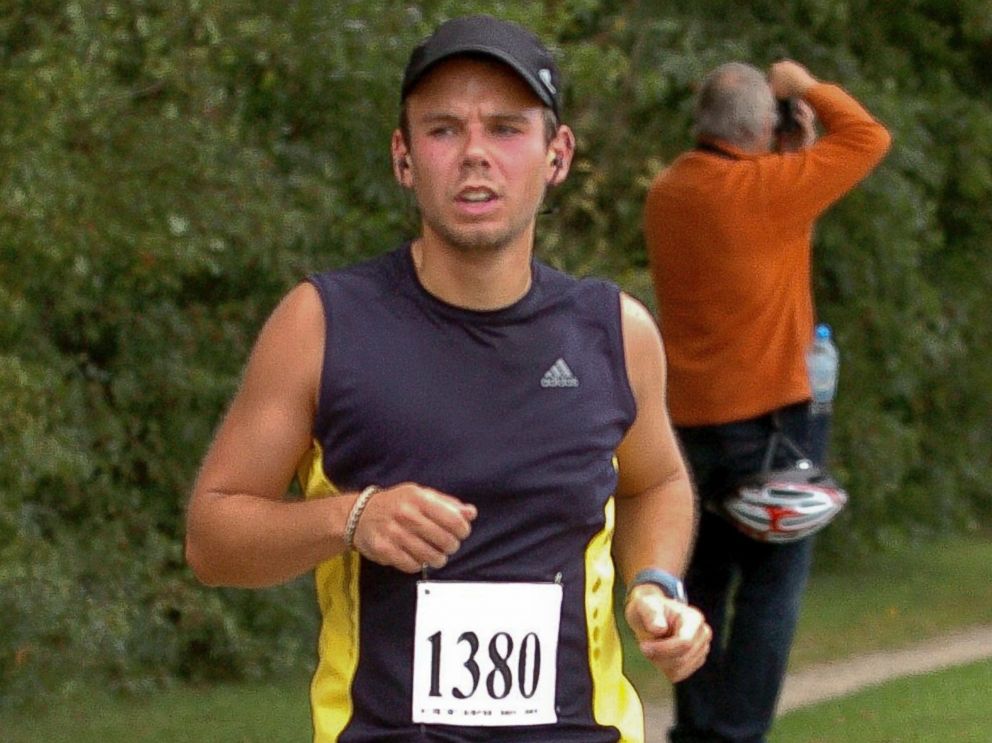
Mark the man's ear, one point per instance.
(560, 154)
(401, 160)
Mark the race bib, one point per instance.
(486, 653)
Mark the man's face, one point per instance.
(478, 160)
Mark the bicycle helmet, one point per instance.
(785, 505)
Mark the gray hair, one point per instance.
(734, 104)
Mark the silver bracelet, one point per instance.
(356, 513)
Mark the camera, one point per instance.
(787, 119)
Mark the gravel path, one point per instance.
(840, 678)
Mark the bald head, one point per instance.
(735, 104)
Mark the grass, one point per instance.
(890, 601)
(951, 705)
(258, 713)
(895, 599)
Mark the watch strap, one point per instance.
(669, 584)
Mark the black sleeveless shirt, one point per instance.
(518, 411)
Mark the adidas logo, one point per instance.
(559, 375)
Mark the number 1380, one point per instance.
(501, 679)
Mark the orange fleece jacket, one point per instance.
(729, 244)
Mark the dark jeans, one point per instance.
(749, 591)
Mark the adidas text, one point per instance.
(559, 375)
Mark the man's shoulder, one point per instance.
(558, 281)
(368, 265)
(374, 270)
(682, 178)
(696, 161)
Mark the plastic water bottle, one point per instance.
(822, 362)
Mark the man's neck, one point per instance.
(484, 279)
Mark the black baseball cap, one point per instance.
(503, 40)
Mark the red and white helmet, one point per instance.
(785, 505)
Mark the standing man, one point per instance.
(474, 433)
(728, 229)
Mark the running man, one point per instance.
(478, 437)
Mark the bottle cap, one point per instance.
(823, 331)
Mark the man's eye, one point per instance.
(505, 130)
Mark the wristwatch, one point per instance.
(670, 585)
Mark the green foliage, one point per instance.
(169, 169)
